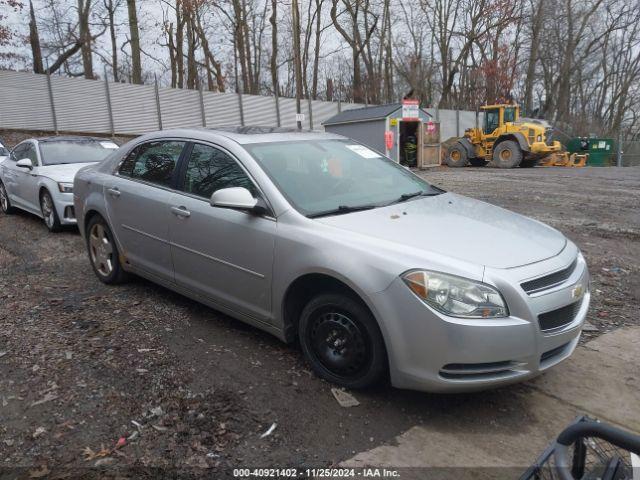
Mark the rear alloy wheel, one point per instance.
(49, 213)
(103, 252)
(507, 154)
(5, 203)
(342, 342)
(457, 156)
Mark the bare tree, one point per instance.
(136, 66)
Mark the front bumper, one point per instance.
(432, 352)
(65, 208)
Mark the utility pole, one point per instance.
(295, 20)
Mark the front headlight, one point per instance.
(65, 187)
(456, 296)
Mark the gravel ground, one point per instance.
(135, 380)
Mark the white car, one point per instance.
(37, 176)
(4, 152)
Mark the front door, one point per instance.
(223, 254)
(138, 205)
(28, 180)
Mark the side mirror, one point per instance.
(25, 163)
(239, 198)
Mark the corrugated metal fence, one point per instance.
(54, 103)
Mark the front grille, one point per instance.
(549, 281)
(559, 318)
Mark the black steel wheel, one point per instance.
(342, 341)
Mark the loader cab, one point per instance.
(497, 115)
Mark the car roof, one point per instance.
(70, 138)
(246, 134)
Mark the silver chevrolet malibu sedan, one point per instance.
(318, 239)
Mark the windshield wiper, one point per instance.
(342, 209)
(408, 196)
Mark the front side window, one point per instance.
(153, 162)
(18, 152)
(30, 153)
(491, 120)
(318, 176)
(210, 169)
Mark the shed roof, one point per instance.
(366, 114)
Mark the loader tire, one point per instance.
(507, 154)
(457, 156)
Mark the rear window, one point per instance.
(75, 151)
(153, 162)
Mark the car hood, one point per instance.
(457, 227)
(62, 173)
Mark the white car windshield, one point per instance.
(59, 152)
(329, 177)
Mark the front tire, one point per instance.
(49, 213)
(103, 252)
(457, 156)
(507, 154)
(5, 203)
(342, 341)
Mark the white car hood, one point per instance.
(458, 227)
(62, 173)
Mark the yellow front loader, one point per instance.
(504, 141)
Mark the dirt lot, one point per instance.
(135, 380)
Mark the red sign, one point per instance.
(388, 139)
(431, 127)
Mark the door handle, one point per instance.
(181, 212)
(114, 192)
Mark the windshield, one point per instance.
(75, 151)
(336, 176)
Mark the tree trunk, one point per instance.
(295, 17)
(111, 10)
(273, 61)
(84, 9)
(34, 39)
(136, 67)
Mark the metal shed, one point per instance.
(402, 131)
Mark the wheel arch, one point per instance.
(468, 146)
(517, 137)
(303, 288)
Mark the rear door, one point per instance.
(224, 254)
(137, 199)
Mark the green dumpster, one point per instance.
(600, 150)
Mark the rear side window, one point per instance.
(153, 162)
(210, 169)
